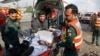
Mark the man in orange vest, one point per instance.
(72, 33)
(96, 30)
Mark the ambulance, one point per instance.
(38, 5)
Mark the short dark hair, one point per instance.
(11, 11)
(73, 7)
(42, 13)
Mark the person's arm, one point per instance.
(4, 34)
(69, 39)
(45, 25)
(28, 51)
(20, 31)
(34, 27)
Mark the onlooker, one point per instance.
(41, 23)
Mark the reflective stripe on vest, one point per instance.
(78, 39)
(97, 24)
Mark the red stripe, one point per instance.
(46, 53)
(77, 40)
(78, 47)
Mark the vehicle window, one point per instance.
(87, 15)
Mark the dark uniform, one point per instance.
(67, 42)
(10, 33)
(53, 23)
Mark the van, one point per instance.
(38, 6)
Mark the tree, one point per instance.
(28, 9)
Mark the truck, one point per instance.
(86, 17)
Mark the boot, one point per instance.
(97, 43)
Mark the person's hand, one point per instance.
(48, 44)
(41, 42)
(55, 34)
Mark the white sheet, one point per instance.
(38, 49)
(46, 36)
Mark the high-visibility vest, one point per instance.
(78, 39)
(97, 23)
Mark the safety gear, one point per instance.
(97, 23)
(78, 39)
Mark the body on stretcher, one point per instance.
(42, 49)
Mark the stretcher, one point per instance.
(46, 52)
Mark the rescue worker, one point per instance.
(40, 23)
(52, 19)
(92, 21)
(53, 23)
(47, 9)
(96, 30)
(10, 31)
(72, 33)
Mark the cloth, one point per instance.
(38, 49)
(37, 25)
